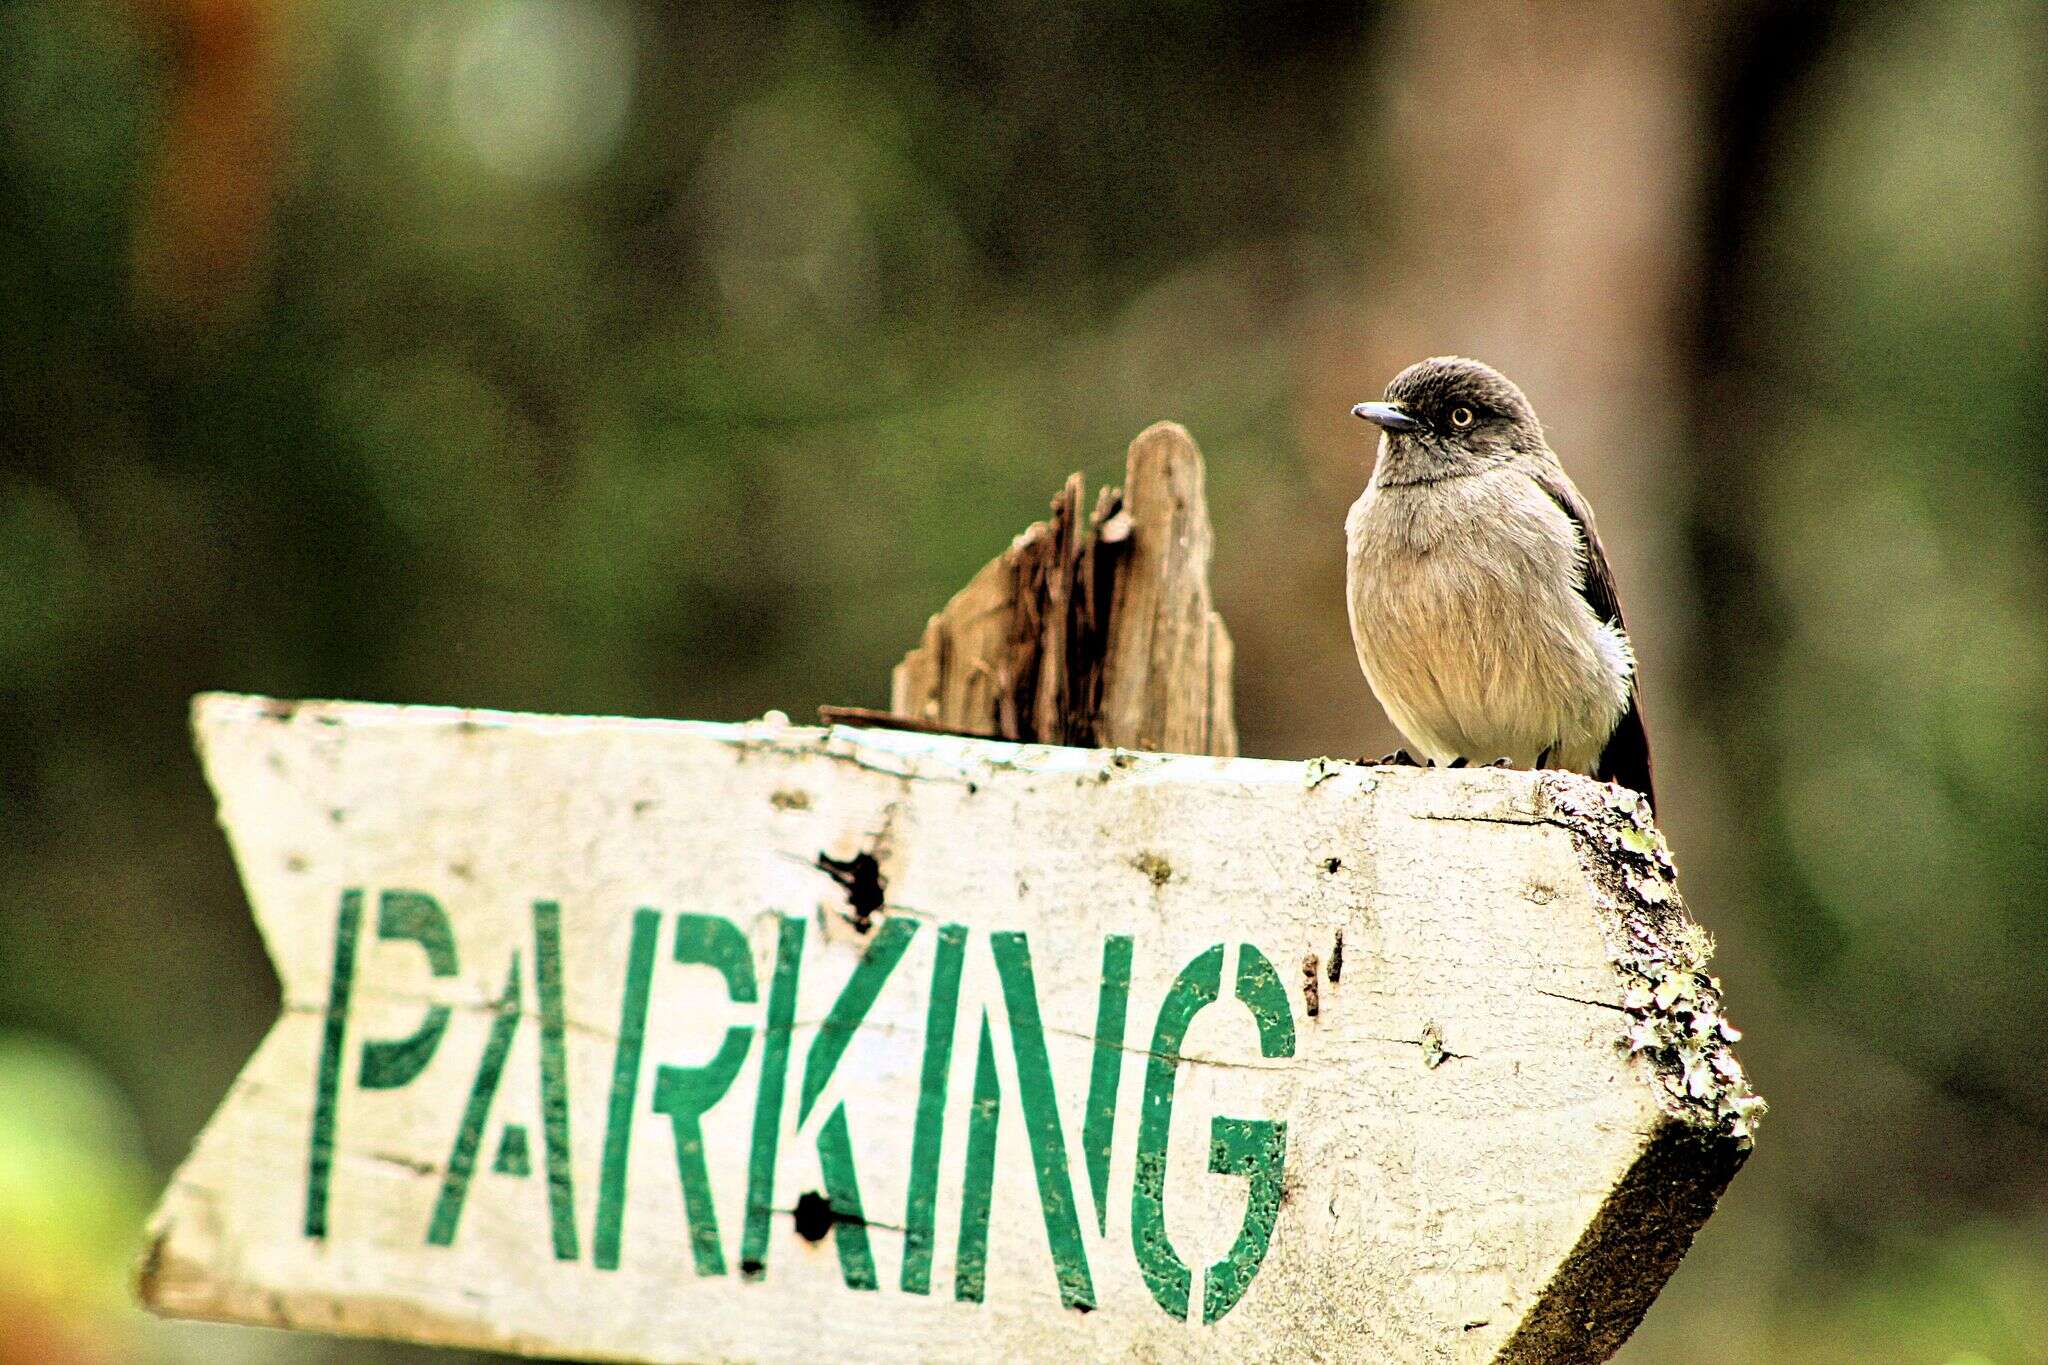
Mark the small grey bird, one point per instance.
(1484, 612)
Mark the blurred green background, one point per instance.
(586, 356)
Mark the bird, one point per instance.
(1482, 605)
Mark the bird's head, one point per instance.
(1447, 416)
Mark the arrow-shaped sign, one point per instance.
(647, 1040)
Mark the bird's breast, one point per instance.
(1468, 619)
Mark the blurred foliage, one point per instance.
(1976, 1292)
(1902, 522)
(1884, 667)
(576, 355)
(71, 1185)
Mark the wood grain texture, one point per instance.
(1504, 1119)
(1090, 631)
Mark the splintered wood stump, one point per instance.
(661, 1041)
(1096, 631)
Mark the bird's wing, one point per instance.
(1626, 759)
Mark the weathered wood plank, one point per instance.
(1160, 670)
(583, 1050)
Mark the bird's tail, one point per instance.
(1626, 759)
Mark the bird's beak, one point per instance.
(1385, 415)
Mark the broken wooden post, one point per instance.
(659, 1040)
(1100, 635)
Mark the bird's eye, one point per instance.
(1462, 417)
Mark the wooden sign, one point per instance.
(639, 1040)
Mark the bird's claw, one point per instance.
(1400, 758)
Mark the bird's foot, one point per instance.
(1400, 758)
(1502, 763)
(1458, 762)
